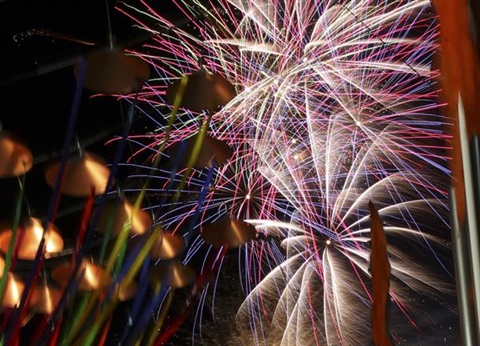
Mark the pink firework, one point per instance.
(336, 105)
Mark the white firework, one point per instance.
(336, 101)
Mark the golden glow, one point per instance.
(30, 234)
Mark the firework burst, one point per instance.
(336, 106)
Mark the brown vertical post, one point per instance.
(380, 270)
(460, 80)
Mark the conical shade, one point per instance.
(29, 234)
(126, 292)
(113, 72)
(89, 276)
(212, 150)
(167, 246)
(44, 298)
(172, 273)
(115, 213)
(13, 292)
(15, 156)
(203, 92)
(81, 175)
(228, 232)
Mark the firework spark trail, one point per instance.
(337, 106)
(238, 191)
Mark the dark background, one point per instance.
(39, 48)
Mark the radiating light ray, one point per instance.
(336, 105)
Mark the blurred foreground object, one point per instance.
(114, 72)
(380, 270)
(460, 81)
(15, 156)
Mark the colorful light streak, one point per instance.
(337, 106)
